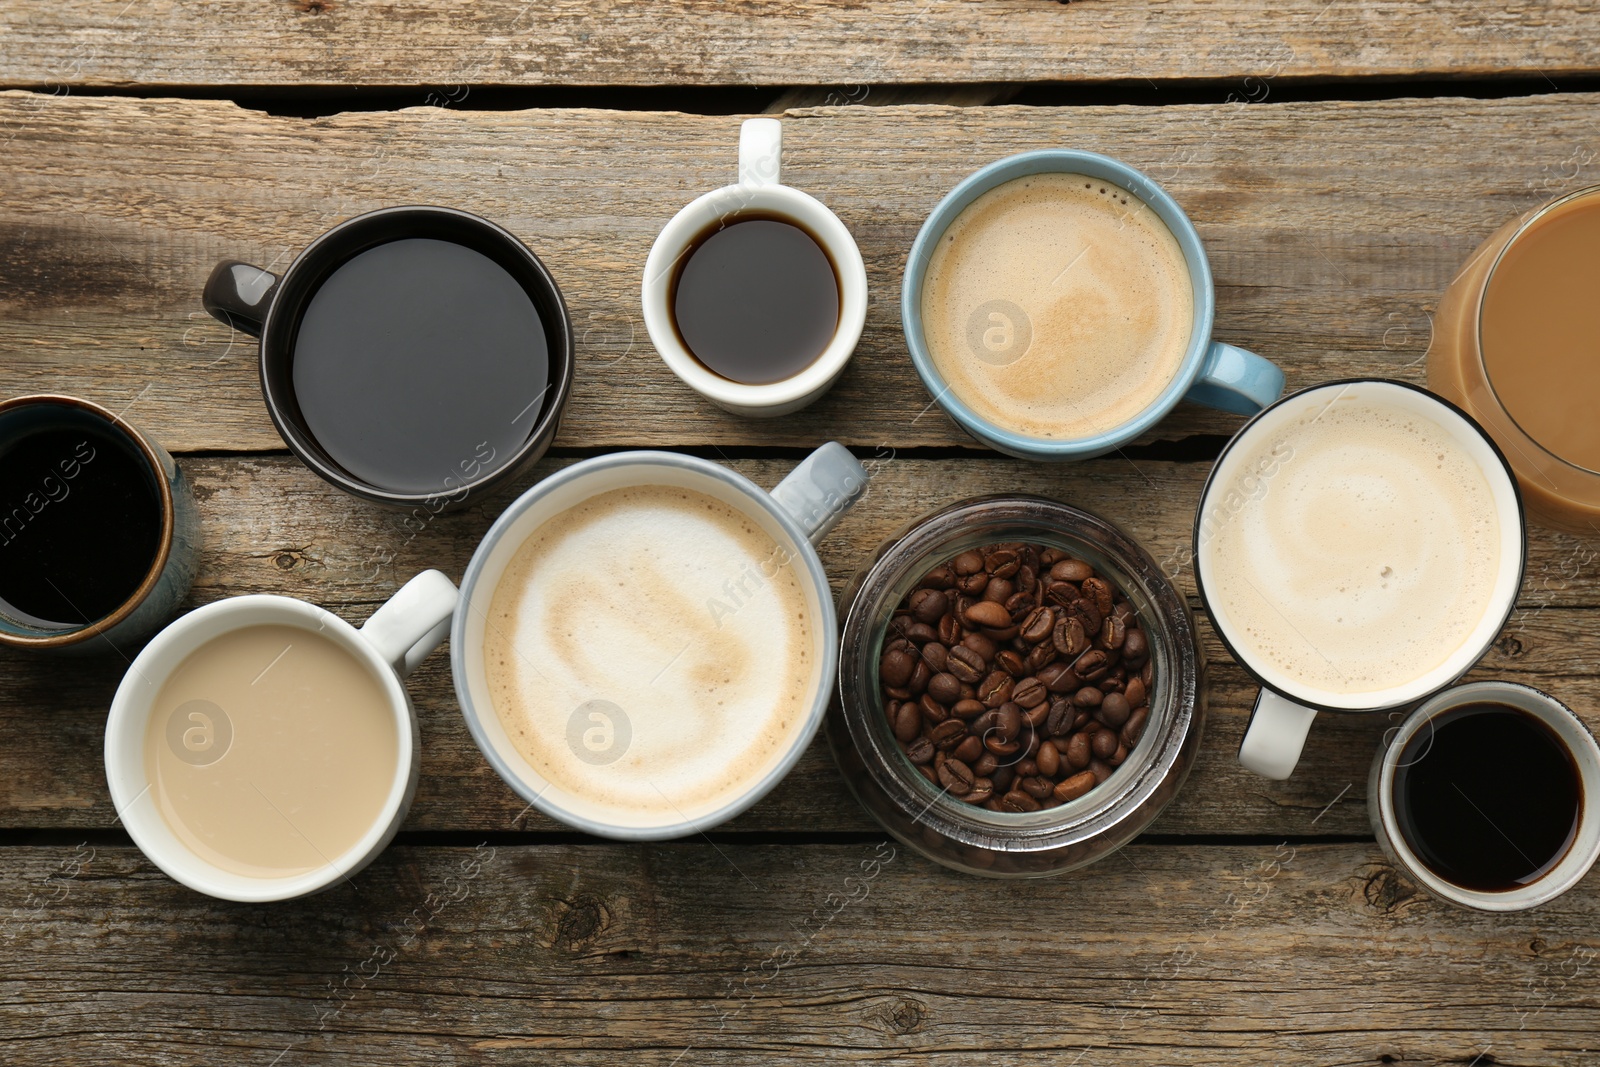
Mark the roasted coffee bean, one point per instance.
(1037, 716)
(1090, 666)
(1003, 749)
(1124, 611)
(1049, 759)
(1029, 692)
(896, 666)
(928, 605)
(988, 614)
(1018, 801)
(1069, 636)
(1003, 562)
(1119, 755)
(932, 710)
(1147, 672)
(1059, 677)
(919, 678)
(1027, 579)
(1087, 697)
(1133, 729)
(1061, 593)
(1008, 660)
(1008, 722)
(1112, 632)
(1135, 648)
(936, 656)
(907, 722)
(1134, 691)
(967, 708)
(982, 790)
(986, 764)
(970, 749)
(896, 693)
(1002, 777)
(1071, 570)
(921, 633)
(920, 750)
(928, 773)
(996, 688)
(1059, 722)
(1114, 680)
(1087, 614)
(964, 663)
(1049, 556)
(969, 562)
(1098, 590)
(1040, 655)
(1075, 787)
(946, 688)
(1104, 744)
(1036, 786)
(1039, 625)
(940, 577)
(1084, 715)
(949, 630)
(948, 734)
(1114, 710)
(998, 590)
(983, 646)
(956, 777)
(1078, 752)
(1102, 770)
(973, 585)
(1019, 606)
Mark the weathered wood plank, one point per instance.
(853, 953)
(273, 527)
(670, 42)
(1332, 228)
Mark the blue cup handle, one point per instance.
(1236, 381)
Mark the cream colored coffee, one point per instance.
(1057, 306)
(271, 751)
(650, 653)
(1356, 548)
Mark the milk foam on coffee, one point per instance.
(1057, 306)
(1354, 550)
(681, 624)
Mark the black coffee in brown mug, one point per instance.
(755, 298)
(410, 355)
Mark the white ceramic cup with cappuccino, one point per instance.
(758, 192)
(647, 642)
(1359, 545)
(261, 748)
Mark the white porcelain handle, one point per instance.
(413, 622)
(760, 151)
(821, 489)
(1275, 736)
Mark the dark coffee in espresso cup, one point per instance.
(410, 356)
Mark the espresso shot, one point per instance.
(756, 298)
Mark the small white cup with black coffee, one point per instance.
(755, 293)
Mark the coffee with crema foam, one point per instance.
(1354, 549)
(1057, 306)
(650, 652)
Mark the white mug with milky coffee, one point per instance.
(261, 748)
(1358, 545)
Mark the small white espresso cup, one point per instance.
(390, 645)
(757, 191)
(1581, 853)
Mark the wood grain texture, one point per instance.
(1331, 227)
(1227, 956)
(328, 43)
(271, 526)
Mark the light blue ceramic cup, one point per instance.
(1212, 373)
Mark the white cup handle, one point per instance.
(1275, 736)
(821, 489)
(760, 151)
(413, 622)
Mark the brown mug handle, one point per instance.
(239, 295)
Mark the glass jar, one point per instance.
(966, 837)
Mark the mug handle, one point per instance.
(413, 622)
(1275, 736)
(1235, 380)
(239, 295)
(825, 486)
(760, 151)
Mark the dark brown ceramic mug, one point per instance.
(412, 356)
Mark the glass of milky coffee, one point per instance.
(1358, 545)
(646, 641)
(1057, 304)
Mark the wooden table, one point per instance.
(1340, 159)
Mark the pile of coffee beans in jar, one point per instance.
(1016, 677)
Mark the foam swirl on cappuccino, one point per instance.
(650, 653)
(1353, 549)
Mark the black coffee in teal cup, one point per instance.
(1084, 284)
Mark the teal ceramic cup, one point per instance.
(1211, 373)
